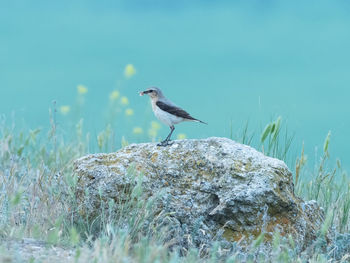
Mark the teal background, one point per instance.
(223, 61)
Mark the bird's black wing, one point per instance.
(174, 110)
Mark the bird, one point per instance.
(167, 112)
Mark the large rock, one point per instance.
(215, 189)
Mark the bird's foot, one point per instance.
(165, 143)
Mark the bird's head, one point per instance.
(153, 92)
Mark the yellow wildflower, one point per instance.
(129, 112)
(124, 100)
(181, 136)
(65, 109)
(114, 95)
(129, 71)
(137, 130)
(155, 125)
(82, 89)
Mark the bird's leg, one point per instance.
(166, 141)
(172, 128)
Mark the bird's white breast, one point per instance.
(165, 117)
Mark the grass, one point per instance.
(37, 199)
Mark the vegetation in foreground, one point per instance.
(37, 189)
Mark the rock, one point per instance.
(214, 189)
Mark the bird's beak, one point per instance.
(144, 92)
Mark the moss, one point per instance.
(139, 167)
(128, 150)
(237, 166)
(248, 234)
(206, 175)
(154, 157)
(282, 221)
(108, 161)
(232, 235)
(200, 163)
(248, 166)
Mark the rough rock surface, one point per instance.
(215, 189)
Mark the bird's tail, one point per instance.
(200, 121)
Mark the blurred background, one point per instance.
(228, 63)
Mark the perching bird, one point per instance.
(166, 111)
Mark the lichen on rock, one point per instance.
(214, 189)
